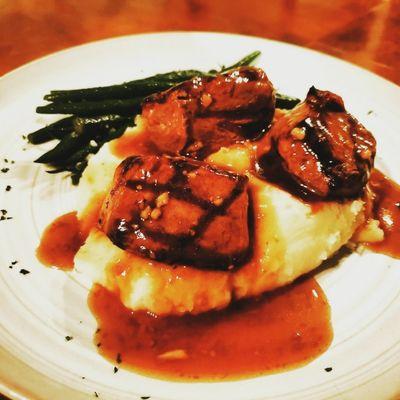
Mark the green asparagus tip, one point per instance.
(247, 60)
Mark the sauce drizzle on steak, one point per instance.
(178, 210)
(199, 116)
(318, 149)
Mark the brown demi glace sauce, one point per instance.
(60, 242)
(62, 239)
(386, 209)
(136, 144)
(278, 331)
(275, 332)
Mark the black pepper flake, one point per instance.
(83, 377)
(97, 330)
(14, 262)
(8, 188)
(4, 170)
(24, 271)
(68, 338)
(115, 370)
(24, 137)
(119, 359)
(145, 397)
(370, 112)
(6, 160)
(12, 162)
(3, 215)
(98, 344)
(96, 394)
(328, 369)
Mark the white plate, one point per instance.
(39, 309)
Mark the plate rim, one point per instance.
(18, 395)
(194, 33)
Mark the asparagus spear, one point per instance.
(243, 62)
(123, 91)
(77, 161)
(57, 130)
(102, 122)
(88, 134)
(61, 128)
(139, 87)
(67, 146)
(93, 108)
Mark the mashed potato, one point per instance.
(291, 239)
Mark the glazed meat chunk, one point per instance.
(178, 210)
(199, 116)
(319, 149)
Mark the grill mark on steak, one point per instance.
(329, 158)
(193, 245)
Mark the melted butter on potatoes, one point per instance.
(290, 238)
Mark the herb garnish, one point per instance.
(24, 271)
(3, 215)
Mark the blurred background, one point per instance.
(365, 32)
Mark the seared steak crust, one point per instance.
(319, 149)
(178, 210)
(199, 116)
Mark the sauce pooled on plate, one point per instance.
(386, 209)
(279, 331)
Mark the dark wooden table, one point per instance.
(365, 32)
